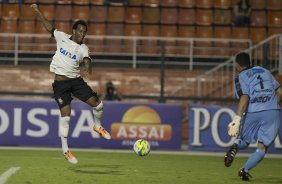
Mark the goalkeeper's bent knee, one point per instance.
(98, 111)
(64, 126)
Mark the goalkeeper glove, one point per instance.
(233, 127)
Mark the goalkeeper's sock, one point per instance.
(241, 144)
(65, 146)
(254, 159)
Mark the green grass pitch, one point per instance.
(49, 167)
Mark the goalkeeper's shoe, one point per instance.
(244, 175)
(230, 155)
(70, 157)
(102, 132)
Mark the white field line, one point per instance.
(5, 176)
(180, 152)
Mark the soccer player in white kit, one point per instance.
(71, 52)
(258, 114)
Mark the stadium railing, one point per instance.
(134, 50)
(219, 81)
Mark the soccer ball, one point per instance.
(141, 147)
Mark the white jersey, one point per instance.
(68, 56)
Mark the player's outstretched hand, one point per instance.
(233, 127)
(35, 7)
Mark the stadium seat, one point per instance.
(135, 2)
(169, 31)
(257, 34)
(233, 2)
(204, 3)
(1, 10)
(274, 30)
(222, 4)
(98, 14)
(204, 47)
(63, 12)
(184, 46)
(222, 48)
(81, 2)
(26, 27)
(186, 3)
(48, 10)
(8, 26)
(258, 18)
(169, 3)
(274, 4)
(274, 18)
(10, 11)
(133, 15)
(116, 14)
(97, 2)
(116, 2)
(258, 4)
(63, 26)
(239, 33)
(204, 17)
(168, 16)
(150, 46)
(114, 45)
(98, 29)
(151, 3)
(26, 12)
(41, 41)
(45, 2)
(222, 17)
(80, 13)
(151, 15)
(29, 1)
(131, 30)
(64, 1)
(186, 16)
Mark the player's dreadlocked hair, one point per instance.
(243, 59)
(79, 22)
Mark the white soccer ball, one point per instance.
(141, 147)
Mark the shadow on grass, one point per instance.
(96, 169)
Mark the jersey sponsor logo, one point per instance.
(254, 71)
(261, 99)
(68, 54)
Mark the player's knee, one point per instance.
(64, 126)
(98, 110)
(262, 147)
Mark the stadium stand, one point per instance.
(186, 16)
(258, 4)
(8, 26)
(204, 3)
(169, 3)
(222, 4)
(25, 13)
(80, 13)
(26, 27)
(10, 11)
(116, 14)
(266, 14)
(133, 15)
(98, 29)
(258, 18)
(222, 32)
(98, 14)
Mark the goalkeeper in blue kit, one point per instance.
(258, 114)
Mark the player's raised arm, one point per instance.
(47, 24)
(88, 67)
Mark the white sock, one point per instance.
(64, 130)
(65, 146)
(98, 114)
